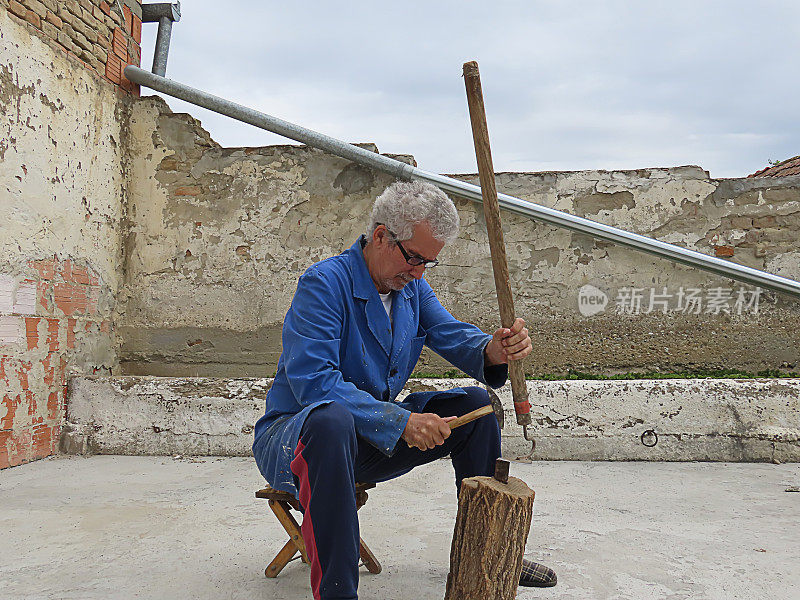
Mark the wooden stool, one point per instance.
(280, 503)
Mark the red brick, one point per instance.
(105, 326)
(30, 402)
(32, 331)
(62, 370)
(80, 275)
(17, 8)
(52, 334)
(92, 299)
(105, 7)
(43, 289)
(20, 447)
(62, 296)
(114, 68)
(53, 406)
(11, 403)
(723, 251)
(70, 298)
(46, 268)
(188, 190)
(22, 374)
(42, 441)
(66, 270)
(126, 12)
(34, 19)
(54, 20)
(80, 301)
(5, 442)
(49, 370)
(119, 45)
(71, 333)
(127, 84)
(137, 30)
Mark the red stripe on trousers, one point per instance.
(299, 467)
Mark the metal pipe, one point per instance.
(461, 188)
(273, 124)
(164, 13)
(162, 46)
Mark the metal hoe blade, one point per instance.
(497, 406)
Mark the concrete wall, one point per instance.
(61, 207)
(676, 419)
(217, 240)
(219, 236)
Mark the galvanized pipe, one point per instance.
(164, 13)
(461, 188)
(162, 46)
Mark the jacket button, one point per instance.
(393, 372)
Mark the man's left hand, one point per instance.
(509, 344)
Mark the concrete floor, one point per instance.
(154, 527)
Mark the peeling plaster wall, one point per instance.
(753, 222)
(677, 419)
(218, 238)
(61, 206)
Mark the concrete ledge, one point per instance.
(672, 420)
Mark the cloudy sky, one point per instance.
(567, 85)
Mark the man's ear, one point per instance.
(379, 235)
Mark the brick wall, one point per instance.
(104, 36)
(47, 318)
(62, 169)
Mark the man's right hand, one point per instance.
(426, 430)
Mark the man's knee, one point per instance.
(329, 421)
(476, 397)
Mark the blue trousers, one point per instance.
(330, 457)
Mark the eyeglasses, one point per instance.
(412, 259)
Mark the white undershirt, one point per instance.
(387, 304)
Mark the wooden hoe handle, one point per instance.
(471, 416)
(491, 211)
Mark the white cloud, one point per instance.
(585, 84)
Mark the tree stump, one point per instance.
(492, 526)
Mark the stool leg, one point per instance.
(281, 510)
(281, 559)
(372, 564)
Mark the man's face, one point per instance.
(389, 269)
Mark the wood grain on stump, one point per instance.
(492, 527)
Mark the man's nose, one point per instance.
(418, 271)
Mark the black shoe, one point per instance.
(536, 575)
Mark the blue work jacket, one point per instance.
(339, 346)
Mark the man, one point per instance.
(351, 339)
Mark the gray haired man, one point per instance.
(351, 339)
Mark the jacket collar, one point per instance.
(374, 312)
(363, 286)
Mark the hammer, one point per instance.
(491, 212)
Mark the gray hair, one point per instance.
(405, 204)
